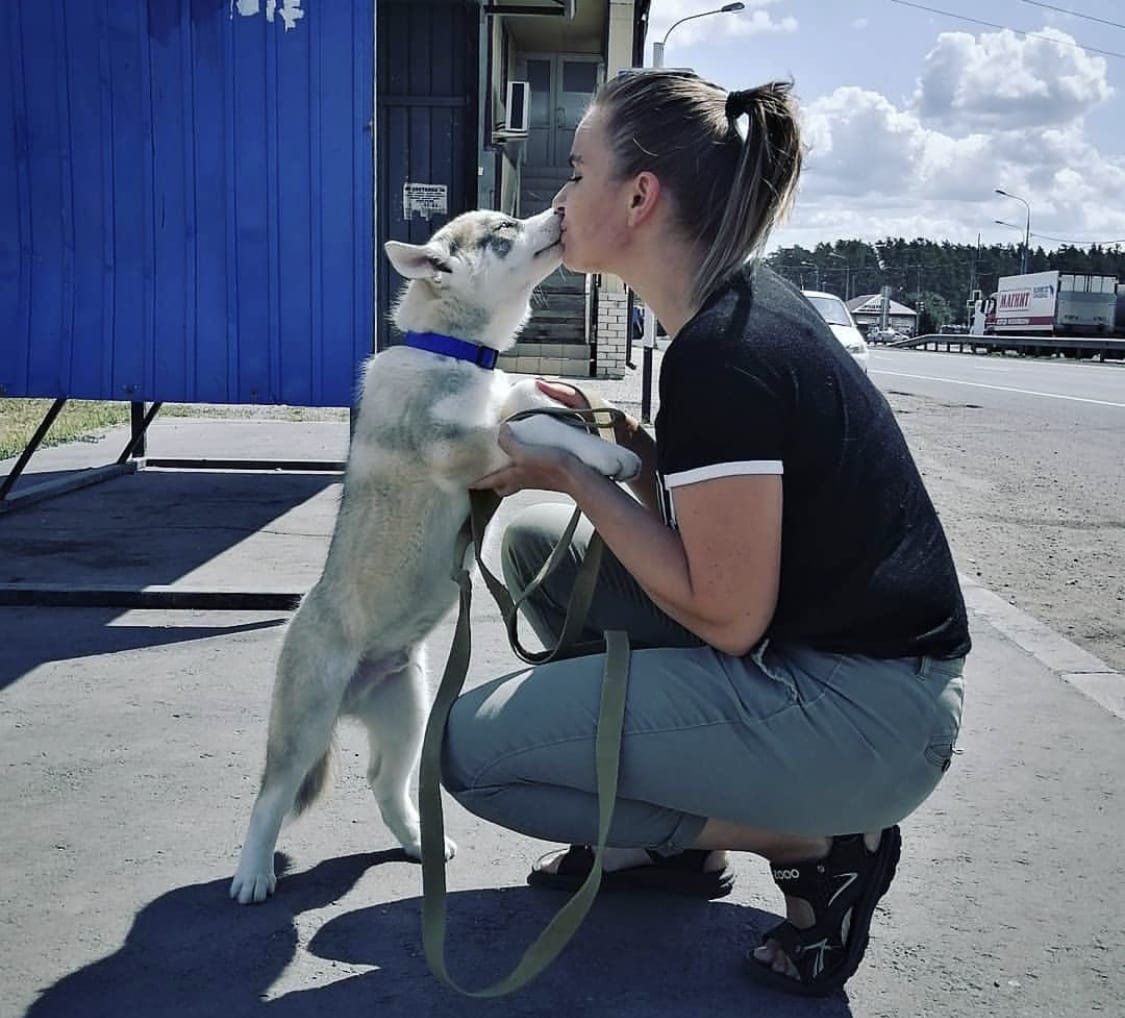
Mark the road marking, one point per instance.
(1000, 388)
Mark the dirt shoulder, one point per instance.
(1036, 513)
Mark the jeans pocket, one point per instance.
(773, 668)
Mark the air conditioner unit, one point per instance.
(518, 106)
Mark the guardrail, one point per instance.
(1102, 347)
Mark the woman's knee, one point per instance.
(529, 539)
(458, 765)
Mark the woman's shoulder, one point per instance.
(754, 317)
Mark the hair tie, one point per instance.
(738, 103)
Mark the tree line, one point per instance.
(936, 279)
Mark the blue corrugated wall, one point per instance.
(185, 201)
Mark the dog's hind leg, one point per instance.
(306, 701)
(393, 707)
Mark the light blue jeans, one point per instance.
(786, 739)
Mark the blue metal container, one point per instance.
(186, 199)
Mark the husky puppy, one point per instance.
(426, 429)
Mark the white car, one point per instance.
(835, 312)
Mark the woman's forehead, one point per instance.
(588, 137)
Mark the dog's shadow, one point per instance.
(192, 953)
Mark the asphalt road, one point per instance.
(1023, 459)
(1049, 386)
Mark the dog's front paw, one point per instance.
(628, 464)
(252, 886)
(414, 849)
(616, 462)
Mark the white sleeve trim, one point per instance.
(723, 470)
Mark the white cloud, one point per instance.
(874, 169)
(999, 80)
(928, 167)
(757, 19)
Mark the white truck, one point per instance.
(1052, 304)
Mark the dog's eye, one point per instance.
(501, 227)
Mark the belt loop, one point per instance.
(923, 669)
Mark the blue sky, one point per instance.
(913, 117)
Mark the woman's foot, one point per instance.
(829, 904)
(626, 858)
(694, 872)
(799, 912)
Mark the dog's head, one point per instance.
(474, 278)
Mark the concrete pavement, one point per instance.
(131, 742)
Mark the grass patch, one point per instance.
(83, 420)
(80, 420)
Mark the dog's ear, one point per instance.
(413, 261)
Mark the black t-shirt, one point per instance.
(756, 383)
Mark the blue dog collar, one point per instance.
(449, 346)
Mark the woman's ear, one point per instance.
(643, 198)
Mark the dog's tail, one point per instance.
(315, 781)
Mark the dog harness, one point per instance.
(450, 346)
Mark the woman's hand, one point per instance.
(541, 467)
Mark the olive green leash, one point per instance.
(611, 716)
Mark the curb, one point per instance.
(1088, 674)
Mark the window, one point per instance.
(580, 76)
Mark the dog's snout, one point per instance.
(551, 225)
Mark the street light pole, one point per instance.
(1026, 229)
(816, 269)
(847, 275)
(658, 47)
(650, 317)
(1013, 226)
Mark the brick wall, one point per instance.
(613, 308)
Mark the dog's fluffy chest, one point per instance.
(425, 432)
(418, 406)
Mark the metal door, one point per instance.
(427, 82)
(562, 86)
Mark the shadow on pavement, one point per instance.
(151, 527)
(87, 632)
(193, 952)
(32, 480)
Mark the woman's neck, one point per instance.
(664, 280)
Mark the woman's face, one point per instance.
(593, 205)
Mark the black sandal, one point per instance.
(681, 873)
(847, 883)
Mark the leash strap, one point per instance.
(482, 506)
(611, 716)
(602, 420)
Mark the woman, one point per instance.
(781, 562)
